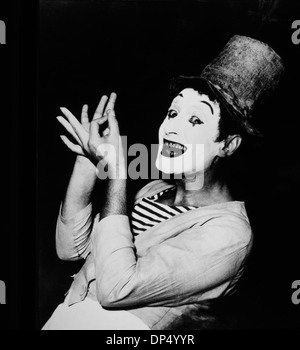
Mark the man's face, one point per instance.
(188, 133)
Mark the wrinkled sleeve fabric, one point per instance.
(177, 271)
(73, 234)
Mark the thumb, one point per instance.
(78, 288)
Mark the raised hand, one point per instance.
(75, 129)
(88, 138)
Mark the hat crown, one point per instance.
(244, 73)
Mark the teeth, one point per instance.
(176, 146)
(173, 150)
(173, 145)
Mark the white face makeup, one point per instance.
(188, 133)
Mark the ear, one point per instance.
(230, 145)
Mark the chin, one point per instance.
(178, 168)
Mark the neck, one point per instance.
(201, 191)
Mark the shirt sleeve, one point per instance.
(73, 234)
(175, 272)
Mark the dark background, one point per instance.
(88, 48)
(18, 267)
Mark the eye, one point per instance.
(195, 120)
(172, 113)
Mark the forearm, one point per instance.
(73, 235)
(115, 204)
(80, 188)
(74, 223)
(172, 265)
(116, 199)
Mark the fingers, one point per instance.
(100, 108)
(110, 114)
(69, 128)
(113, 126)
(113, 123)
(95, 125)
(105, 132)
(78, 128)
(75, 148)
(111, 103)
(80, 134)
(84, 115)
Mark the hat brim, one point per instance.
(200, 84)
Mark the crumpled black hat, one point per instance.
(244, 73)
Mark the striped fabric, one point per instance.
(148, 212)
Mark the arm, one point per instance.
(80, 187)
(187, 267)
(75, 223)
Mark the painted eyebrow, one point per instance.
(212, 111)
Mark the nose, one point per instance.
(171, 127)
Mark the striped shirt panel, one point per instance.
(148, 212)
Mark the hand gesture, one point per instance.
(90, 140)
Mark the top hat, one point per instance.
(242, 76)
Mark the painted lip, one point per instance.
(172, 149)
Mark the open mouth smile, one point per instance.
(172, 149)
